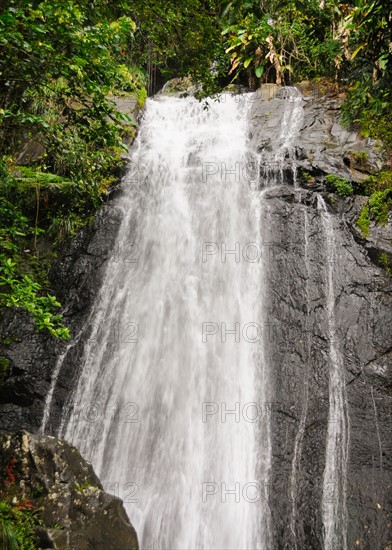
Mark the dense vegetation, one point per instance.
(62, 60)
(18, 516)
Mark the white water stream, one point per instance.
(334, 509)
(160, 432)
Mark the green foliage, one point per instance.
(58, 59)
(141, 98)
(386, 263)
(4, 369)
(179, 39)
(369, 105)
(363, 221)
(247, 43)
(23, 291)
(59, 63)
(380, 181)
(340, 185)
(360, 156)
(275, 41)
(369, 97)
(380, 203)
(17, 527)
(18, 288)
(308, 178)
(379, 189)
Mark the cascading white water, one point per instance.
(146, 435)
(298, 443)
(174, 420)
(334, 509)
(292, 119)
(283, 155)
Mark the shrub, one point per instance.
(17, 526)
(340, 185)
(363, 221)
(386, 263)
(380, 203)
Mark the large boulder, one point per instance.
(76, 513)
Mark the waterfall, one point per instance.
(173, 400)
(334, 510)
(171, 406)
(298, 443)
(278, 164)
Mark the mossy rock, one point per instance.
(179, 86)
(72, 508)
(4, 369)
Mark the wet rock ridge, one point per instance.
(322, 145)
(52, 477)
(298, 348)
(299, 364)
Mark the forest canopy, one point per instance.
(62, 60)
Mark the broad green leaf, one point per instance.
(248, 61)
(259, 71)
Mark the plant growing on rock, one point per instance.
(340, 185)
(379, 189)
(18, 516)
(363, 221)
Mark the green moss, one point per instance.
(340, 185)
(378, 127)
(386, 263)
(141, 98)
(65, 227)
(81, 488)
(363, 221)
(129, 131)
(378, 187)
(308, 178)
(360, 156)
(7, 341)
(4, 369)
(380, 181)
(380, 203)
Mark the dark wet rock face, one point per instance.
(323, 145)
(299, 365)
(32, 356)
(29, 359)
(298, 350)
(68, 496)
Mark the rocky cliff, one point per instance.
(298, 350)
(298, 347)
